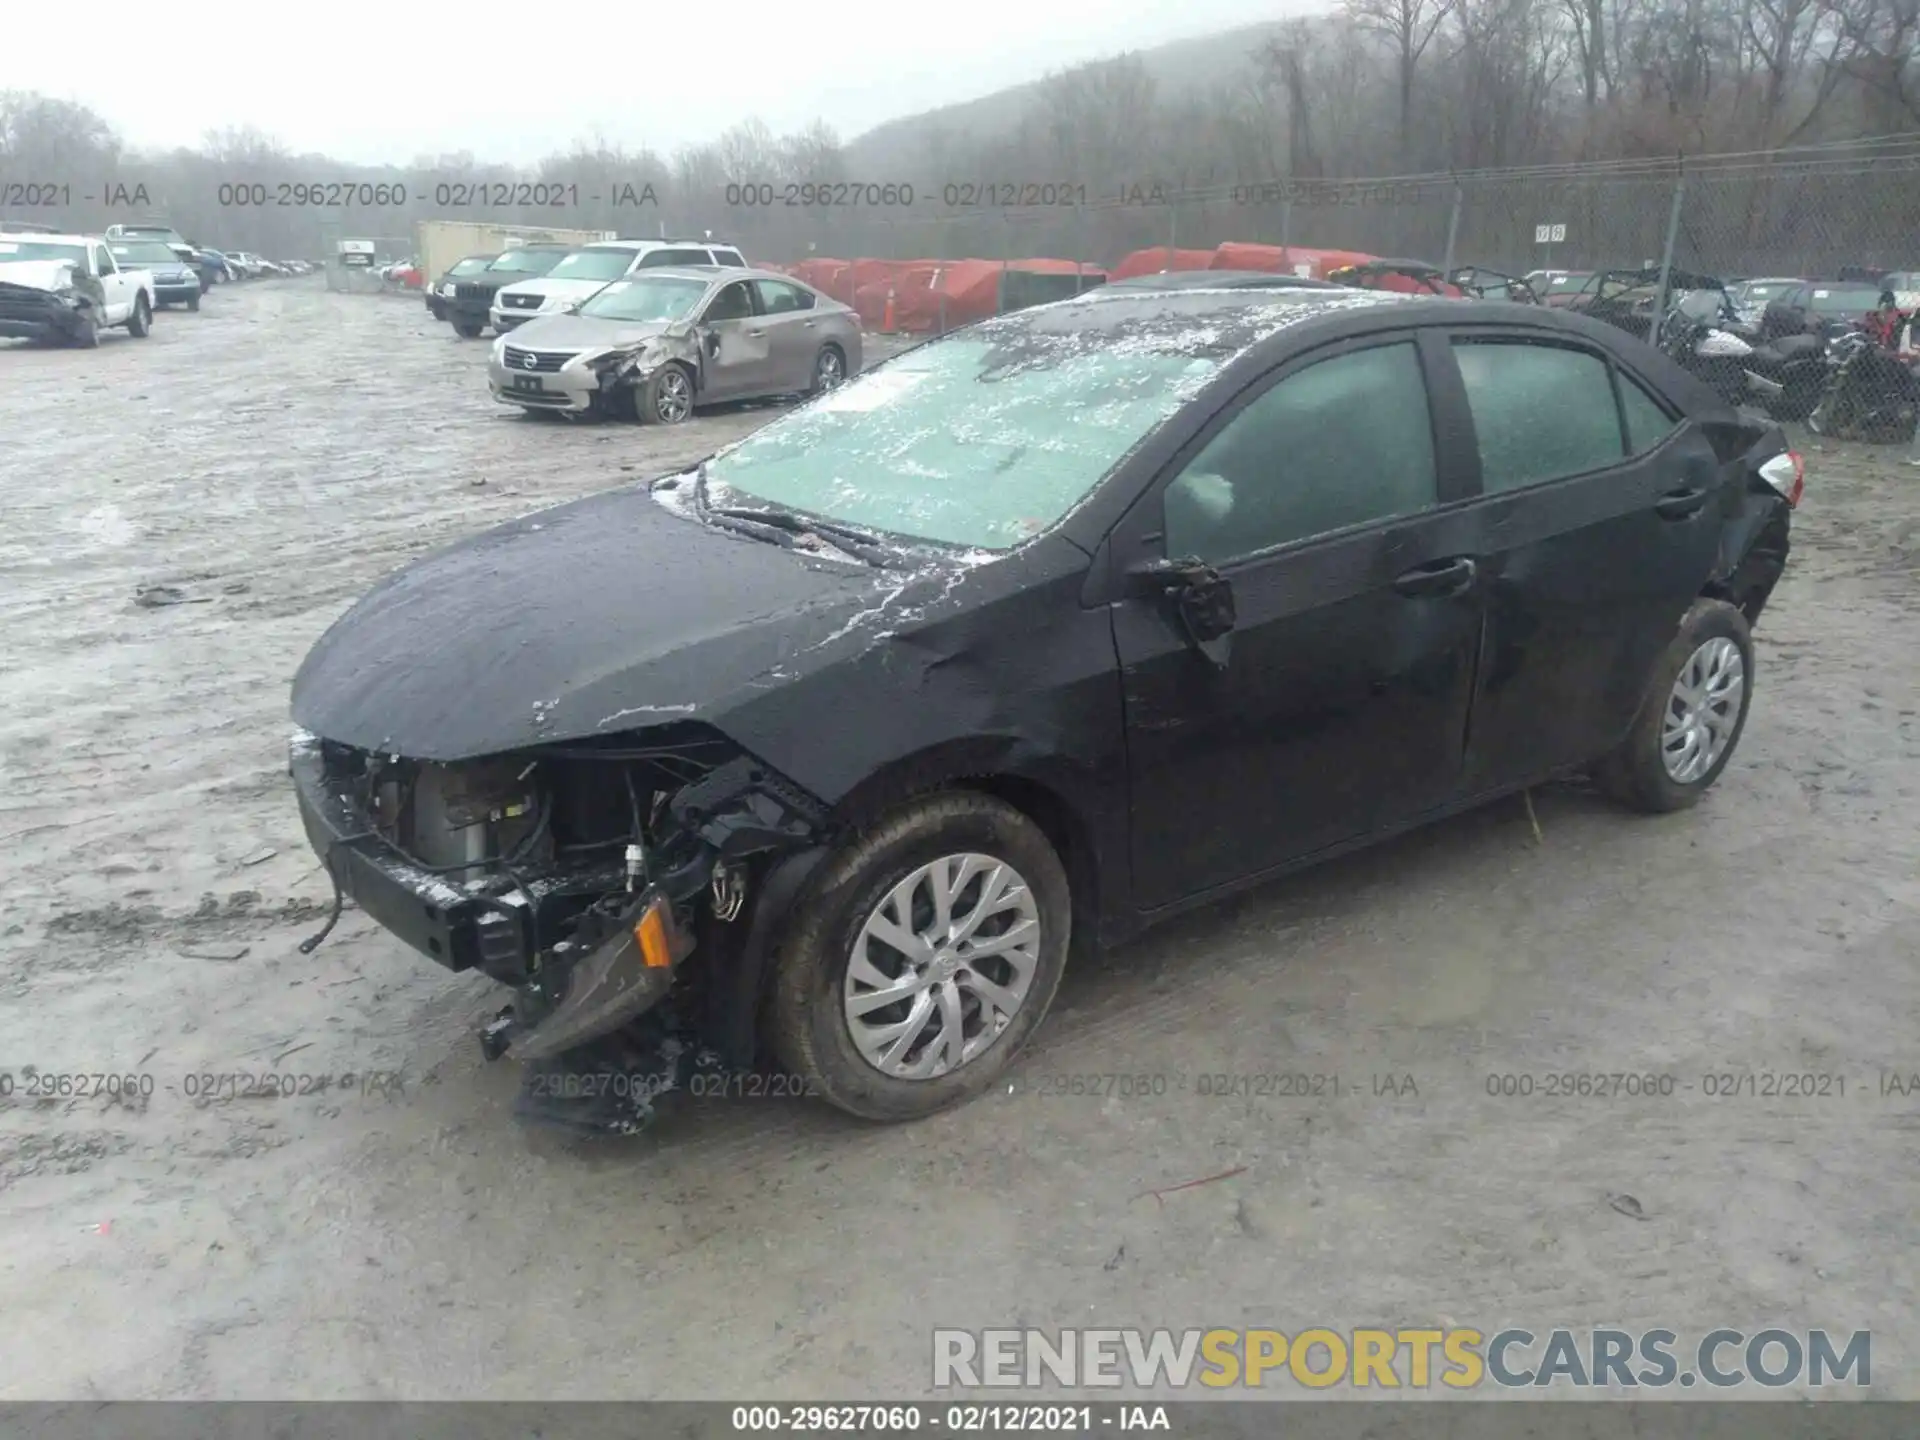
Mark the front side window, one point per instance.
(972, 441)
(734, 302)
(103, 262)
(1342, 442)
(1540, 412)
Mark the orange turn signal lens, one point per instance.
(650, 934)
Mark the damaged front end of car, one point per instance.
(625, 370)
(599, 880)
(62, 313)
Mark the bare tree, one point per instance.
(1408, 28)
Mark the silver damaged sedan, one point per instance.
(656, 344)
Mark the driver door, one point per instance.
(1338, 705)
(736, 356)
(116, 288)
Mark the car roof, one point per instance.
(40, 238)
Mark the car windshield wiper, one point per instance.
(783, 526)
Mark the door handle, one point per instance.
(1679, 504)
(755, 334)
(807, 324)
(1442, 577)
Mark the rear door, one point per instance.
(1598, 525)
(1339, 704)
(786, 315)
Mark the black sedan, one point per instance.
(836, 746)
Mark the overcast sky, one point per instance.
(513, 80)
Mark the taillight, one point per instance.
(1787, 473)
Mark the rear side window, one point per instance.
(1340, 443)
(1647, 423)
(776, 297)
(729, 257)
(674, 257)
(1540, 412)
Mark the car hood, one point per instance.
(584, 332)
(608, 614)
(47, 275)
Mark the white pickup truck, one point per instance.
(68, 288)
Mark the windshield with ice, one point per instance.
(968, 441)
(645, 300)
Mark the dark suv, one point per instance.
(472, 297)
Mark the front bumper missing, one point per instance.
(586, 987)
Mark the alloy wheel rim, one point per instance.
(829, 370)
(942, 965)
(673, 397)
(1702, 710)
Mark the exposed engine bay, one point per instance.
(601, 881)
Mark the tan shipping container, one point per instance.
(443, 243)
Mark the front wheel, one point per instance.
(922, 957)
(467, 329)
(665, 399)
(87, 335)
(193, 302)
(1694, 711)
(140, 323)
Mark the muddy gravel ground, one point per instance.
(389, 1230)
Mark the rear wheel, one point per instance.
(829, 369)
(922, 957)
(140, 323)
(1695, 709)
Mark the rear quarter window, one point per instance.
(1647, 420)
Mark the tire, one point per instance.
(140, 323)
(808, 1025)
(87, 337)
(193, 302)
(666, 398)
(467, 330)
(1638, 773)
(829, 369)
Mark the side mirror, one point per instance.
(1202, 599)
(710, 341)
